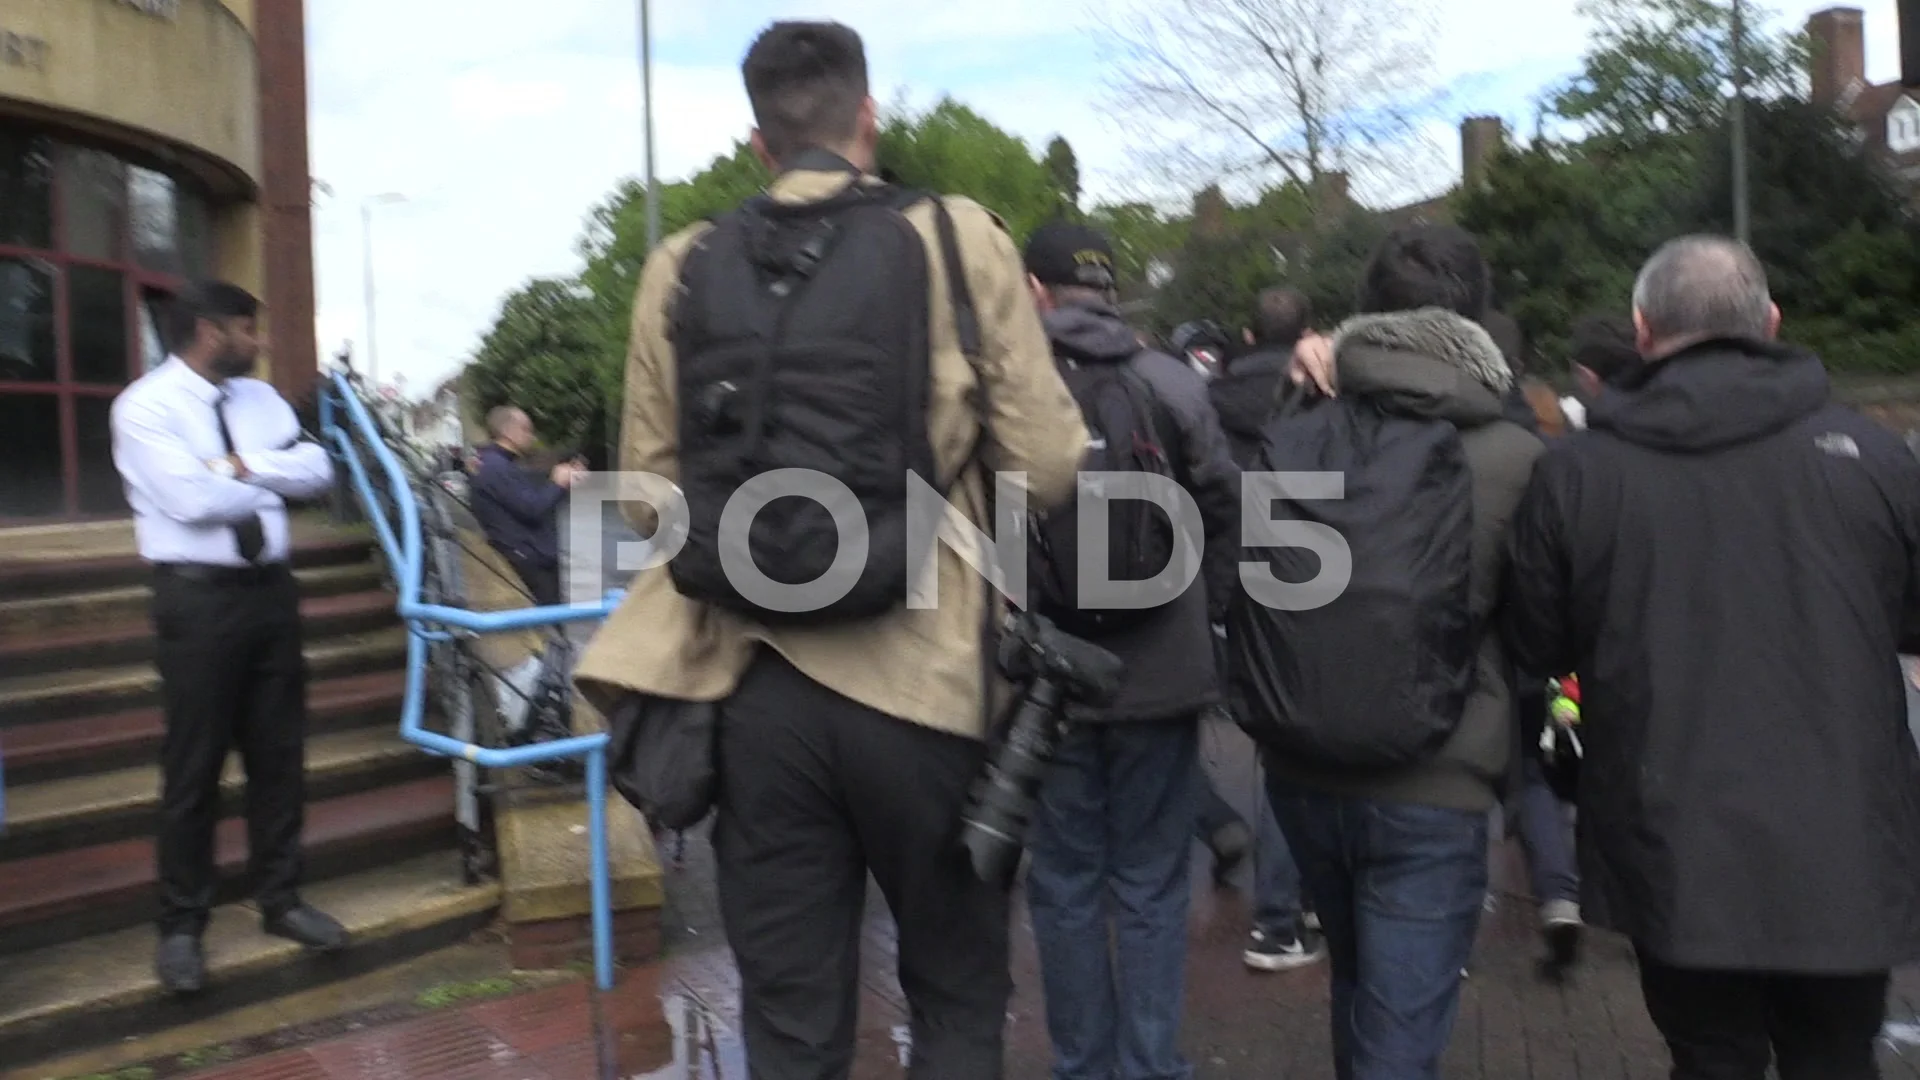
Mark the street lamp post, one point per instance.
(646, 112)
(1742, 223)
(366, 250)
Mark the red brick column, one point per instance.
(286, 196)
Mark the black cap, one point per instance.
(1063, 253)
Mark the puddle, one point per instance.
(701, 1047)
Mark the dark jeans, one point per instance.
(1216, 813)
(232, 676)
(1399, 889)
(1276, 876)
(1544, 832)
(1108, 890)
(1723, 1025)
(817, 791)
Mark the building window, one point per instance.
(1903, 127)
(91, 247)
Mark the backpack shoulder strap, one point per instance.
(1167, 429)
(966, 317)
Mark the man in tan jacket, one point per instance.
(850, 746)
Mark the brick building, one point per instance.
(1888, 114)
(143, 143)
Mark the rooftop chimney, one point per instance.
(1210, 212)
(1481, 137)
(1331, 200)
(1839, 40)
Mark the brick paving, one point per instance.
(674, 1021)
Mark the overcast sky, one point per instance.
(503, 123)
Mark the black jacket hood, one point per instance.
(1427, 363)
(1090, 332)
(1713, 395)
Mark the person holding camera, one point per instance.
(837, 329)
(1108, 886)
(518, 509)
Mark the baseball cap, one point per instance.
(1065, 253)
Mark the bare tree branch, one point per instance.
(1299, 88)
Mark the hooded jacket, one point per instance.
(1727, 559)
(1170, 671)
(1434, 364)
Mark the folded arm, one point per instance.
(303, 470)
(157, 461)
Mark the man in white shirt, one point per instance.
(209, 458)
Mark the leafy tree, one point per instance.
(1820, 203)
(614, 245)
(1064, 167)
(548, 353)
(557, 347)
(1326, 263)
(953, 150)
(1141, 236)
(1658, 67)
(1565, 231)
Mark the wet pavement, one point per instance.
(675, 1020)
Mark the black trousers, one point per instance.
(816, 792)
(232, 678)
(542, 581)
(1723, 1025)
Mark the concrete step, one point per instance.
(61, 695)
(55, 815)
(69, 894)
(90, 744)
(132, 641)
(102, 989)
(38, 616)
(61, 560)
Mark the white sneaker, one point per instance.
(1278, 952)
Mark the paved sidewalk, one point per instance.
(672, 1022)
(675, 1021)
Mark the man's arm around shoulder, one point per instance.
(1032, 423)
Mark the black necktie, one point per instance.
(251, 537)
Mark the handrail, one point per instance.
(405, 555)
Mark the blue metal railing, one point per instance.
(426, 623)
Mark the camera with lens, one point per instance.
(1058, 673)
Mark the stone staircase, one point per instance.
(80, 725)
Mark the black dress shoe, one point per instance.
(310, 927)
(181, 965)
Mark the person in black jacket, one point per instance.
(1283, 935)
(518, 510)
(1727, 559)
(1117, 811)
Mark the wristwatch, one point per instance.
(223, 468)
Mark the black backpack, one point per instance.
(802, 342)
(1379, 677)
(1127, 424)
